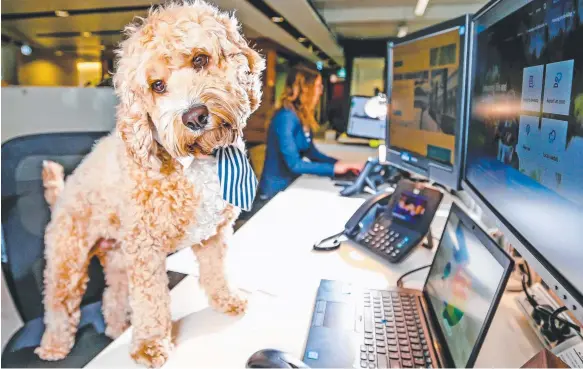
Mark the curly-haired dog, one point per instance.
(187, 83)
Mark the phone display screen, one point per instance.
(410, 208)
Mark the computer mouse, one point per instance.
(270, 358)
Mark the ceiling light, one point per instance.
(26, 50)
(86, 34)
(302, 39)
(61, 13)
(277, 19)
(402, 31)
(58, 53)
(420, 8)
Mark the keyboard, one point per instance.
(393, 334)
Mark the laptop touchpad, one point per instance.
(339, 316)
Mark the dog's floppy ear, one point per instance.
(256, 67)
(134, 130)
(251, 78)
(133, 125)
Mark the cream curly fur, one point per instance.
(131, 202)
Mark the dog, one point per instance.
(187, 81)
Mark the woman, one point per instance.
(290, 140)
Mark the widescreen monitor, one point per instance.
(367, 117)
(525, 136)
(427, 83)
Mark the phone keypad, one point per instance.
(387, 242)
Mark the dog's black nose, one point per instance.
(196, 117)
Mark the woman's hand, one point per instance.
(342, 167)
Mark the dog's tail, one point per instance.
(53, 175)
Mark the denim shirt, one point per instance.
(287, 147)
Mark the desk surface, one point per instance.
(272, 262)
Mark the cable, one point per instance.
(541, 310)
(555, 316)
(529, 298)
(400, 280)
(528, 272)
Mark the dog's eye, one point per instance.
(158, 86)
(200, 61)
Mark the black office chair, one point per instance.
(25, 215)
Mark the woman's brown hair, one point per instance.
(298, 95)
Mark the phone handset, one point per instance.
(351, 227)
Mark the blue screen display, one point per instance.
(525, 138)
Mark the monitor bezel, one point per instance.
(560, 286)
(394, 156)
(501, 257)
(348, 119)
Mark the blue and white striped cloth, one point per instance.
(238, 181)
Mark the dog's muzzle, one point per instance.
(196, 118)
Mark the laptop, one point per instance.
(443, 325)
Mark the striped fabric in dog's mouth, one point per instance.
(236, 177)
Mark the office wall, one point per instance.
(29, 110)
(256, 130)
(48, 71)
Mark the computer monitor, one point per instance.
(426, 87)
(463, 287)
(525, 134)
(367, 117)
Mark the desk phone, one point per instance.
(392, 225)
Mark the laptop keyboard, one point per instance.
(393, 334)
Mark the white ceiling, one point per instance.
(313, 18)
(255, 24)
(381, 18)
(302, 16)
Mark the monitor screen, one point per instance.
(367, 117)
(424, 97)
(525, 136)
(461, 288)
(427, 87)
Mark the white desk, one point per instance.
(272, 261)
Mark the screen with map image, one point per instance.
(424, 96)
(461, 287)
(525, 136)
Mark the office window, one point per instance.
(367, 75)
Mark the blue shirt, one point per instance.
(287, 145)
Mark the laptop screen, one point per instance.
(461, 287)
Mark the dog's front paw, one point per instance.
(231, 303)
(152, 353)
(54, 347)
